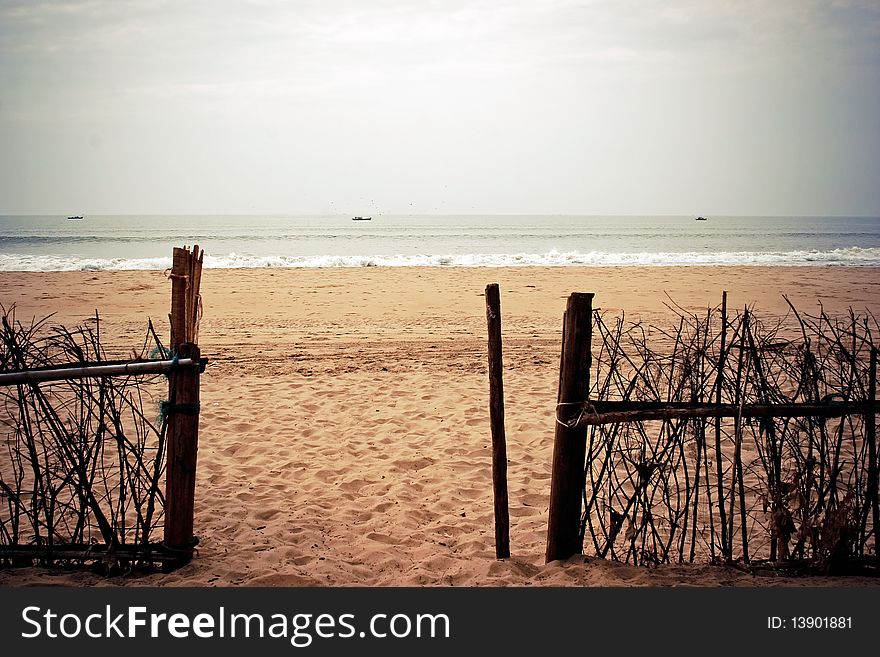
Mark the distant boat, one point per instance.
(361, 218)
(701, 219)
(74, 218)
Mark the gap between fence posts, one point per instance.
(496, 416)
(570, 444)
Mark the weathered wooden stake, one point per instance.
(570, 445)
(180, 273)
(182, 437)
(198, 257)
(496, 416)
(182, 445)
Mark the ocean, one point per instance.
(50, 243)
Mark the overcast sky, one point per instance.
(411, 106)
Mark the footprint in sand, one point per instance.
(282, 579)
(411, 465)
(326, 475)
(354, 485)
(268, 514)
(384, 539)
(524, 511)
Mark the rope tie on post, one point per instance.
(175, 363)
(166, 409)
(584, 407)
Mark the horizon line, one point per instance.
(445, 214)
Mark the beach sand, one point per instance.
(344, 431)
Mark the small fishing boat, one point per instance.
(361, 218)
(74, 218)
(701, 219)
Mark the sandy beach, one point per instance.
(344, 429)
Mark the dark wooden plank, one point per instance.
(569, 447)
(182, 441)
(496, 416)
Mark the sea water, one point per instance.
(55, 243)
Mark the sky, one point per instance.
(737, 107)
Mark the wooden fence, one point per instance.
(717, 439)
(85, 444)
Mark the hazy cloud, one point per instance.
(644, 106)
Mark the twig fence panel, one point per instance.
(86, 445)
(726, 439)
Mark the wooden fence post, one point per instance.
(182, 448)
(496, 416)
(569, 448)
(182, 438)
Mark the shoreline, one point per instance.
(632, 288)
(362, 262)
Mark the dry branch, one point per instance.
(791, 476)
(80, 453)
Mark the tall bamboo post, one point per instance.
(496, 416)
(569, 448)
(183, 405)
(180, 277)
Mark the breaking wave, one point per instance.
(852, 256)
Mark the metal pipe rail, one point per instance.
(611, 412)
(97, 371)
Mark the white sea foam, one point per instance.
(853, 256)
